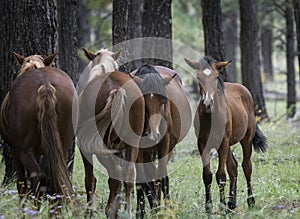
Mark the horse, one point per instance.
(224, 117)
(167, 121)
(108, 62)
(35, 121)
(111, 121)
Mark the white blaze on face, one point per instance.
(207, 72)
(206, 99)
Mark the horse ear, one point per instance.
(220, 66)
(49, 60)
(89, 54)
(194, 65)
(19, 58)
(169, 79)
(137, 79)
(117, 55)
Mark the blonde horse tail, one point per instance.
(60, 182)
(112, 116)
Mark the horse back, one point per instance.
(180, 112)
(20, 110)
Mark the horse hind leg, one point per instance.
(38, 178)
(247, 168)
(90, 181)
(231, 165)
(21, 179)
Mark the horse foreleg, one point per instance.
(206, 175)
(221, 175)
(149, 181)
(231, 166)
(163, 157)
(247, 168)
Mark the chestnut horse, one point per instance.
(167, 121)
(101, 62)
(36, 120)
(224, 117)
(111, 120)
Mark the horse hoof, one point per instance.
(251, 202)
(232, 205)
(208, 207)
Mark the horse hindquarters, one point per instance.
(51, 141)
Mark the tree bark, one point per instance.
(267, 51)
(127, 21)
(250, 55)
(157, 22)
(296, 6)
(67, 49)
(231, 43)
(27, 27)
(212, 27)
(67, 37)
(290, 55)
(266, 12)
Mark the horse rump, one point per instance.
(60, 182)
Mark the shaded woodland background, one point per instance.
(262, 37)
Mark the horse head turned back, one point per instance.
(101, 62)
(33, 62)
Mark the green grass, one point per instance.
(276, 180)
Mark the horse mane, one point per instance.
(32, 65)
(152, 81)
(106, 63)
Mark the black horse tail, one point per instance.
(60, 182)
(259, 141)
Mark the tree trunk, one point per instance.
(84, 31)
(250, 55)
(290, 55)
(157, 22)
(296, 6)
(266, 12)
(127, 21)
(231, 43)
(67, 37)
(212, 27)
(267, 51)
(27, 27)
(67, 49)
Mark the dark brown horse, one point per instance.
(224, 117)
(111, 122)
(35, 120)
(167, 121)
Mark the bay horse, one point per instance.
(167, 121)
(111, 121)
(224, 117)
(36, 120)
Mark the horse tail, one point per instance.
(112, 116)
(51, 142)
(259, 141)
